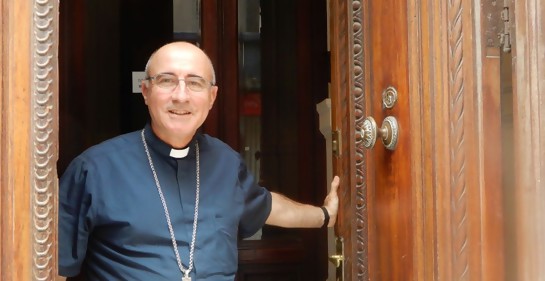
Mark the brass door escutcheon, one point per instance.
(389, 97)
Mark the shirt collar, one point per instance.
(165, 149)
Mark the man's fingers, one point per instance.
(335, 184)
(332, 201)
(332, 197)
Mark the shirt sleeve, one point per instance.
(257, 204)
(74, 217)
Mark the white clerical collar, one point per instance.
(179, 153)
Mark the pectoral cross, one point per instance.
(186, 276)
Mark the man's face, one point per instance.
(177, 113)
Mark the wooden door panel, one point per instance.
(427, 210)
(351, 226)
(389, 172)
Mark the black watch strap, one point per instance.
(326, 217)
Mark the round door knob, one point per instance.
(368, 132)
(388, 132)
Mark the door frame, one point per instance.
(29, 133)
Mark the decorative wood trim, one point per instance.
(44, 136)
(342, 117)
(458, 181)
(358, 85)
(471, 203)
(457, 151)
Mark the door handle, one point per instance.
(388, 132)
(336, 260)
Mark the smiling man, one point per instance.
(167, 202)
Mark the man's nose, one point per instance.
(180, 92)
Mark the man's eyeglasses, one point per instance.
(170, 82)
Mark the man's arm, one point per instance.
(288, 213)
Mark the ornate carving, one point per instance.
(44, 137)
(459, 198)
(359, 113)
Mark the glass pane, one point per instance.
(187, 20)
(250, 82)
(250, 85)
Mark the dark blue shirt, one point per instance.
(112, 222)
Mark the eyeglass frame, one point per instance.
(210, 83)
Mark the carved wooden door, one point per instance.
(378, 236)
(429, 207)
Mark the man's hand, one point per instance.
(288, 213)
(331, 202)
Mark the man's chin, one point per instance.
(182, 131)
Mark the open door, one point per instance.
(377, 217)
(452, 84)
(418, 128)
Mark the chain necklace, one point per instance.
(167, 215)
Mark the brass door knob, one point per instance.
(388, 132)
(368, 132)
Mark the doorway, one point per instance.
(29, 129)
(272, 68)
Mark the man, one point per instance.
(166, 202)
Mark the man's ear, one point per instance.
(213, 94)
(144, 86)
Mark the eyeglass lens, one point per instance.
(170, 81)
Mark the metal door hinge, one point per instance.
(498, 24)
(336, 143)
(505, 36)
